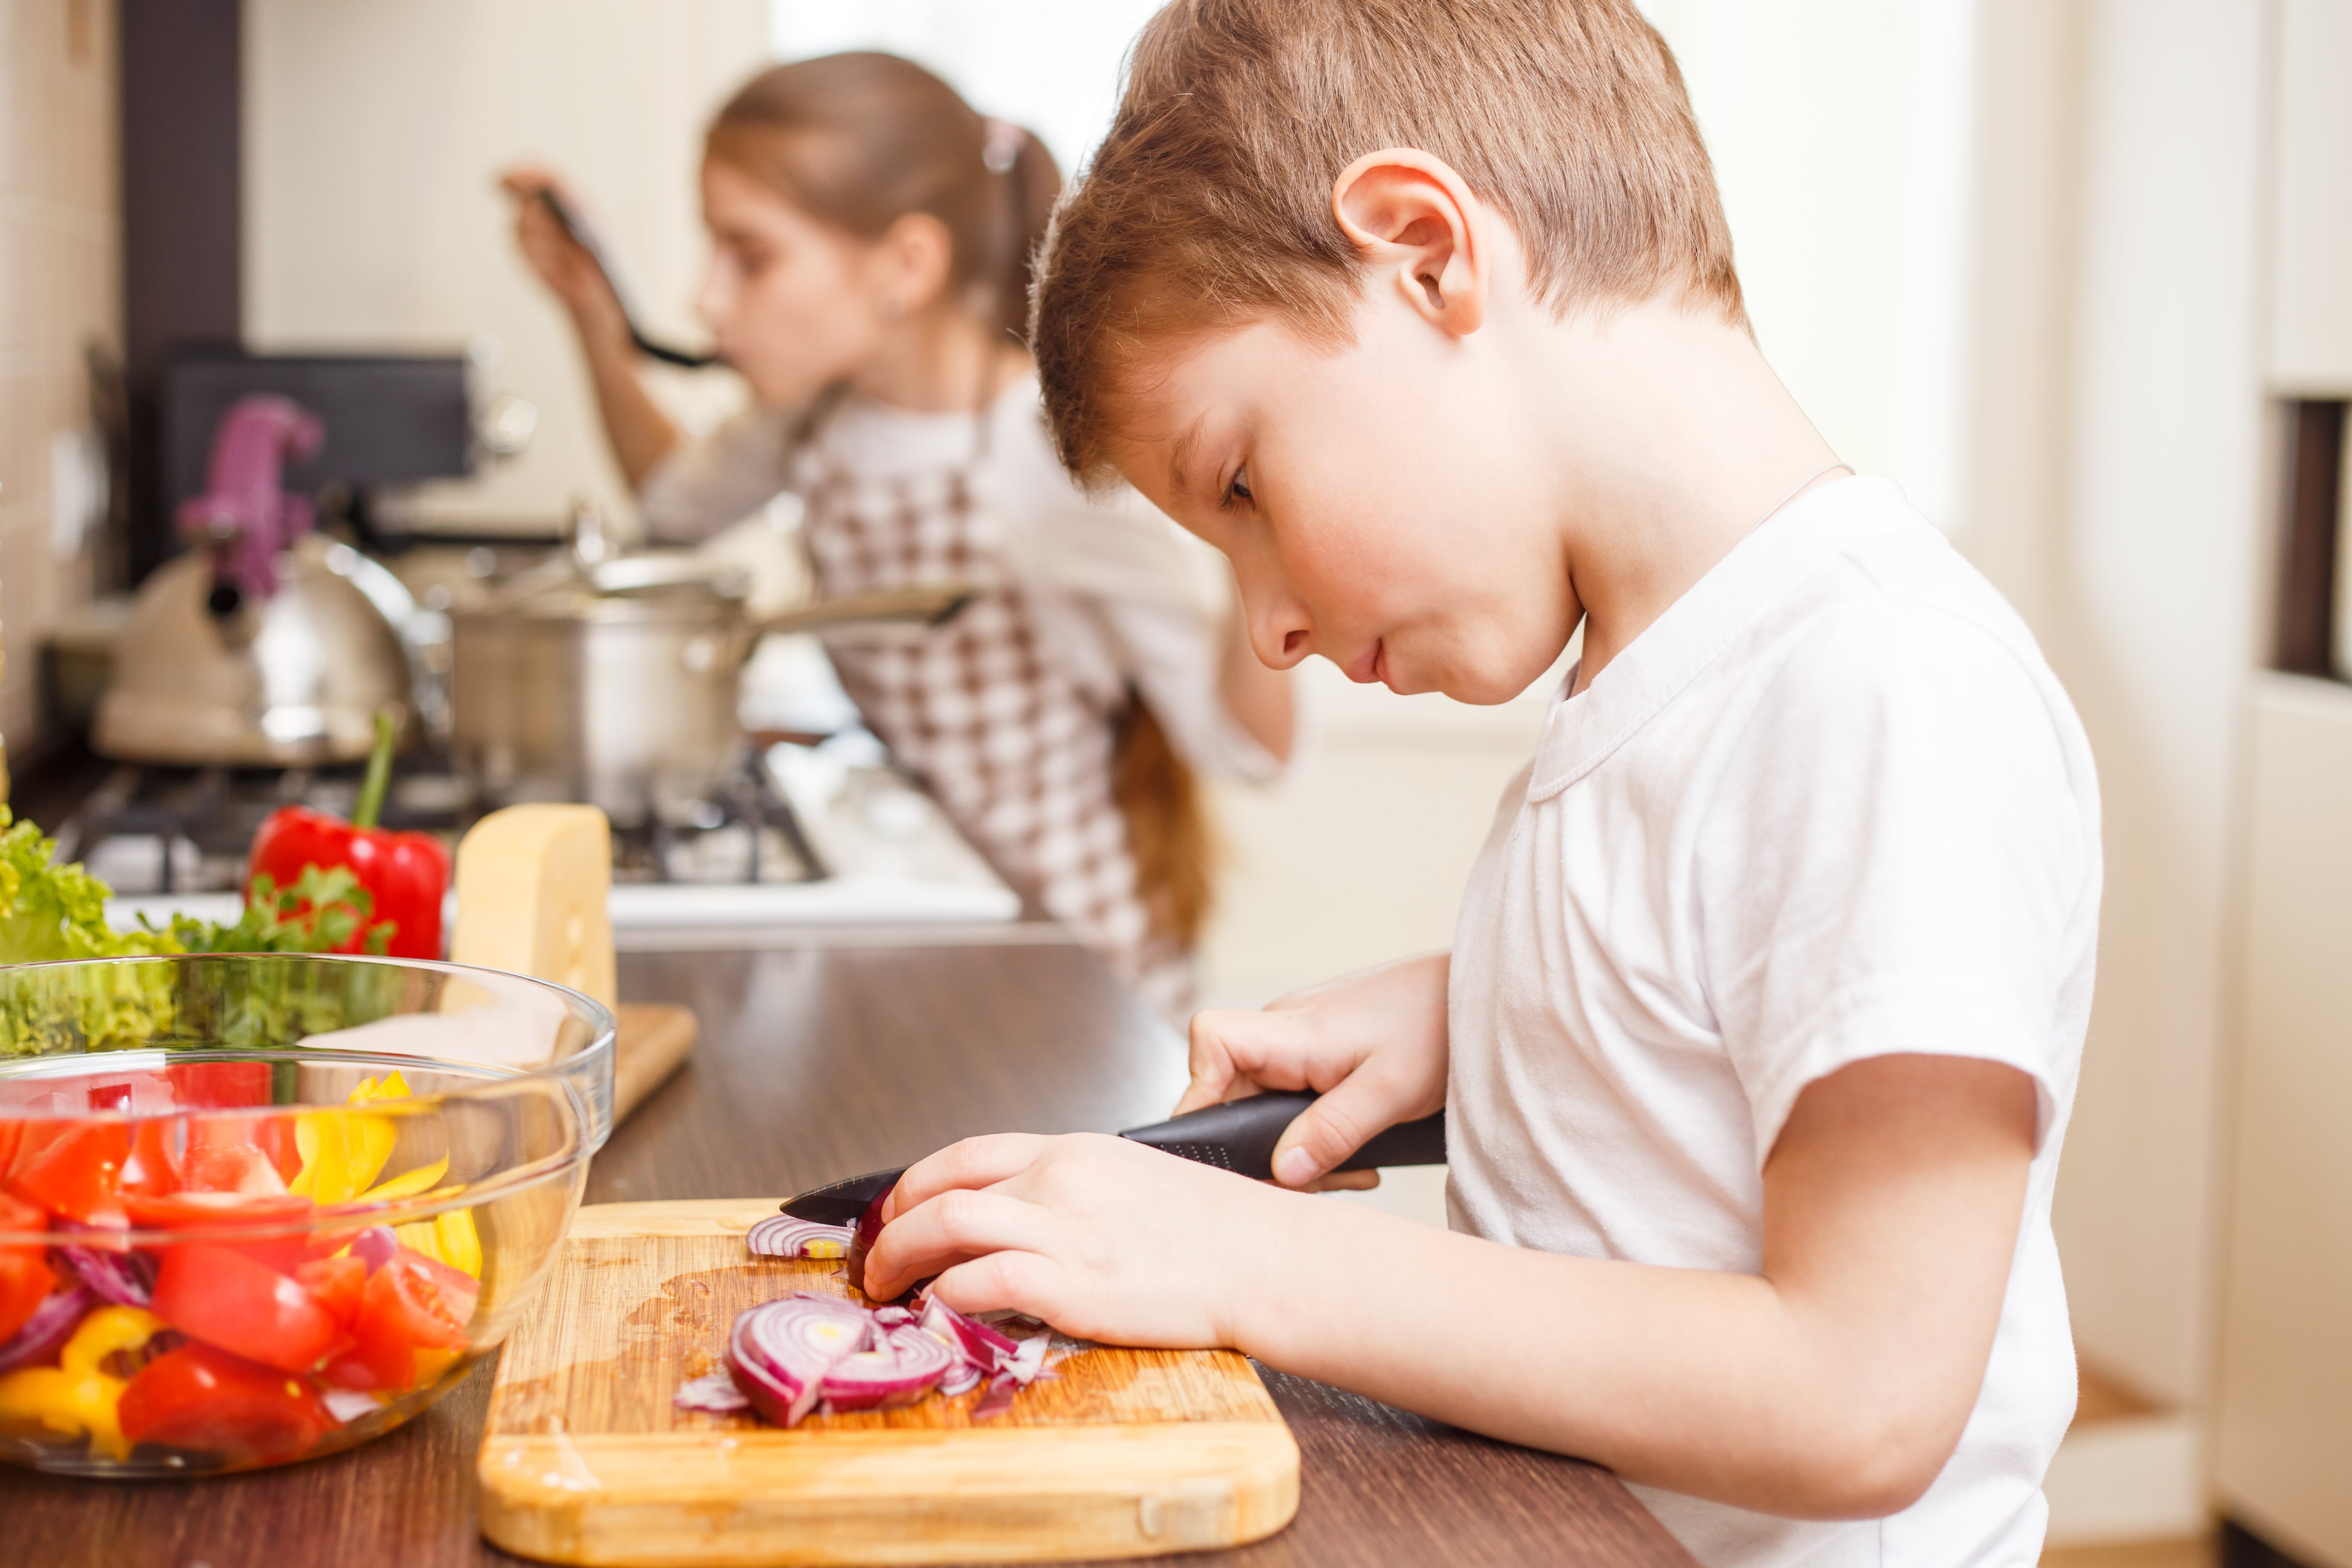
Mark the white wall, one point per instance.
(59, 285)
(2159, 581)
(375, 131)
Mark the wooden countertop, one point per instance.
(818, 1063)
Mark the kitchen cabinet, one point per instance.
(2310, 348)
(2284, 1412)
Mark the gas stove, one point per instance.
(802, 844)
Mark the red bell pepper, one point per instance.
(404, 873)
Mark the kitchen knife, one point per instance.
(1238, 1136)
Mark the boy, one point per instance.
(1761, 1025)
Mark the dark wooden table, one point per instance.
(815, 1063)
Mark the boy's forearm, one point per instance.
(1698, 1381)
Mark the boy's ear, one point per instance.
(1410, 214)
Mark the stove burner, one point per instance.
(147, 830)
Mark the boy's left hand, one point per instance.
(1102, 1237)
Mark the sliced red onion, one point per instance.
(1029, 1359)
(50, 1326)
(782, 1235)
(900, 1370)
(347, 1406)
(982, 1345)
(892, 1317)
(869, 1228)
(715, 1394)
(124, 1280)
(375, 1246)
(962, 1378)
(780, 1353)
(998, 1399)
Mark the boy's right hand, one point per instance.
(1372, 1043)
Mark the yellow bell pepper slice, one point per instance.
(449, 1238)
(75, 1395)
(407, 1184)
(344, 1151)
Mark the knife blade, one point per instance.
(1238, 1136)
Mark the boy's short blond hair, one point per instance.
(1209, 205)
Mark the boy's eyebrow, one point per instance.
(1180, 456)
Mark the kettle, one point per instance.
(265, 644)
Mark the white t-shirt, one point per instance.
(1832, 804)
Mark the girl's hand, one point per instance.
(1372, 1043)
(1101, 1238)
(558, 260)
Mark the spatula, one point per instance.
(1238, 1136)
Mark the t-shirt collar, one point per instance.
(1581, 731)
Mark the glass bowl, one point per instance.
(258, 1208)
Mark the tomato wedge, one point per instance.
(410, 1305)
(75, 1170)
(25, 1277)
(211, 1210)
(227, 1300)
(221, 1085)
(337, 1284)
(201, 1397)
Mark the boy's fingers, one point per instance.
(974, 1162)
(952, 1228)
(1003, 1281)
(1336, 1126)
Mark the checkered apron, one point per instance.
(1019, 757)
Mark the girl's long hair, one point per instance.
(859, 141)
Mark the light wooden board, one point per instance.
(585, 1459)
(651, 1041)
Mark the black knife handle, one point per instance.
(1240, 1135)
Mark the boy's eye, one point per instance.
(1237, 488)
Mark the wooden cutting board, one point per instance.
(585, 1459)
(650, 1041)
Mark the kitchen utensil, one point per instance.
(199, 1068)
(265, 644)
(618, 683)
(1122, 1453)
(585, 238)
(1238, 1136)
(651, 1041)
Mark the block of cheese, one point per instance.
(531, 886)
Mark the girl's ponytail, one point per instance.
(1031, 182)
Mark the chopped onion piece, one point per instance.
(782, 1235)
(125, 1280)
(960, 1379)
(780, 1353)
(347, 1406)
(50, 1326)
(869, 1228)
(716, 1392)
(982, 1345)
(375, 1246)
(898, 1370)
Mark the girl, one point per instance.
(871, 236)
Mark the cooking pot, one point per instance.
(617, 682)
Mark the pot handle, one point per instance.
(924, 607)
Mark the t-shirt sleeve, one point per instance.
(707, 483)
(1895, 861)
